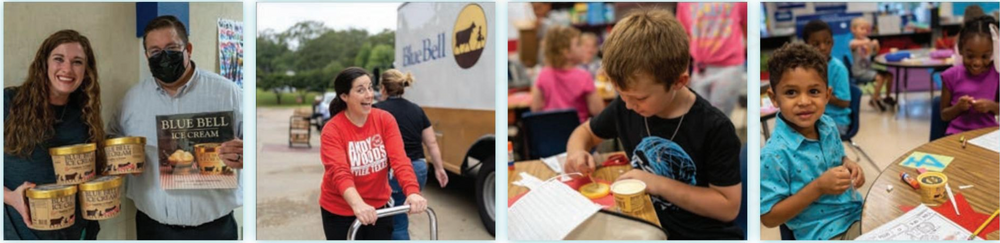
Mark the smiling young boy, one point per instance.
(806, 181)
(685, 150)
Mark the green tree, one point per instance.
(301, 84)
(386, 37)
(271, 50)
(362, 58)
(316, 54)
(340, 46)
(329, 72)
(273, 82)
(381, 56)
(304, 31)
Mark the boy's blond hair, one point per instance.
(859, 21)
(650, 42)
(558, 39)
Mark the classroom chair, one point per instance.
(938, 125)
(855, 126)
(842, 46)
(866, 85)
(786, 233)
(546, 132)
(741, 219)
(850, 74)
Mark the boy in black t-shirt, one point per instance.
(685, 150)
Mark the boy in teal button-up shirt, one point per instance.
(806, 181)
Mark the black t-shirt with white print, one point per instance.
(704, 151)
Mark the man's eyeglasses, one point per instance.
(156, 51)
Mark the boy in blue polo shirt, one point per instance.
(818, 34)
(806, 181)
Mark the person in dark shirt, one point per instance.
(682, 148)
(417, 131)
(57, 105)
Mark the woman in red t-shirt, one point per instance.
(358, 146)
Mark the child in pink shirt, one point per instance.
(717, 30)
(560, 84)
(718, 46)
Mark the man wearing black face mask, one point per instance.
(177, 86)
(169, 66)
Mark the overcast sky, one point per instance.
(373, 17)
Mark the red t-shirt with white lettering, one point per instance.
(360, 157)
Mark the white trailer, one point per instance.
(449, 50)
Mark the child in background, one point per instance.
(803, 172)
(818, 34)
(588, 53)
(971, 13)
(560, 84)
(718, 47)
(863, 48)
(683, 148)
(970, 92)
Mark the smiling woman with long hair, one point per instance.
(358, 147)
(57, 105)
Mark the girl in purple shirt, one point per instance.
(970, 94)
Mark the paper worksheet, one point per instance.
(921, 223)
(555, 162)
(548, 212)
(989, 141)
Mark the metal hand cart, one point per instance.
(386, 212)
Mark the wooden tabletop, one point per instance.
(972, 166)
(538, 169)
(919, 58)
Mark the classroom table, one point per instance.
(919, 59)
(919, 36)
(538, 169)
(518, 100)
(517, 103)
(972, 166)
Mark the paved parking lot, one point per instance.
(288, 182)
